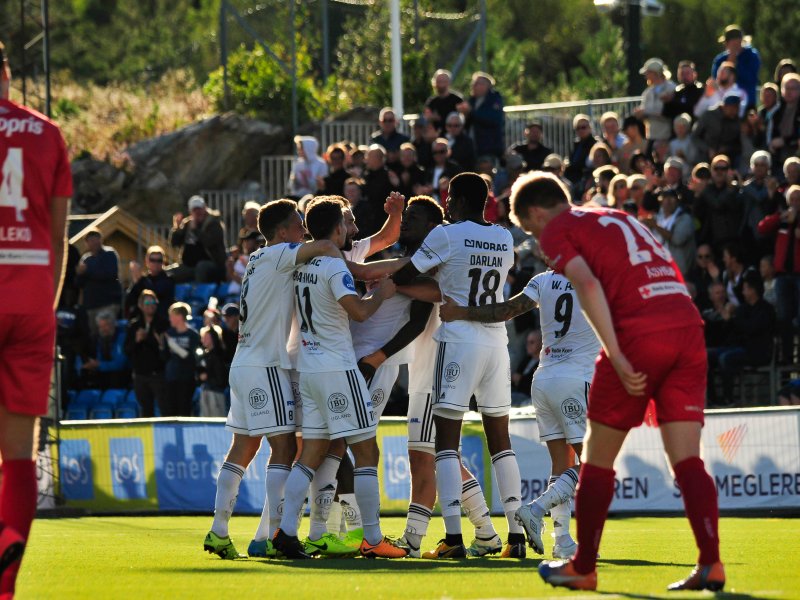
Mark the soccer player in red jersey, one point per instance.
(35, 190)
(652, 348)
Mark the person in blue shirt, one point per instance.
(740, 52)
(97, 274)
(108, 368)
(179, 348)
(484, 116)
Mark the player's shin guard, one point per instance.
(293, 497)
(365, 481)
(560, 490)
(448, 488)
(474, 504)
(561, 514)
(702, 509)
(228, 481)
(595, 491)
(351, 512)
(18, 497)
(506, 471)
(323, 489)
(273, 503)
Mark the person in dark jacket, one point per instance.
(212, 372)
(107, 365)
(704, 273)
(485, 120)
(579, 158)
(522, 377)
(443, 102)
(532, 150)
(145, 333)
(388, 136)
(442, 167)
(719, 130)
(201, 236)
(333, 182)
(155, 279)
(786, 121)
(379, 182)
(687, 93)
(411, 175)
(179, 350)
(720, 208)
(752, 327)
(97, 274)
(462, 148)
(230, 334)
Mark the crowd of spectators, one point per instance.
(712, 169)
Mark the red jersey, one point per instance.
(35, 168)
(643, 286)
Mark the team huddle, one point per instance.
(323, 335)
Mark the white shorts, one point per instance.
(560, 405)
(337, 405)
(262, 402)
(466, 369)
(421, 428)
(380, 388)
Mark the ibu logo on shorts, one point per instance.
(127, 468)
(337, 403)
(257, 398)
(572, 409)
(377, 398)
(452, 371)
(76, 469)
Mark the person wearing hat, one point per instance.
(309, 168)
(201, 237)
(660, 89)
(483, 112)
(717, 89)
(740, 52)
(249, 218)
(442, 102)
(532, 150)
(718, 131)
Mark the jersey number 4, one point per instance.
(632, 230)
(11, 194)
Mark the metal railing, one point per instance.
(229, 204)
(275, 172)
(153, 235)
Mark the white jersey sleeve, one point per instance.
(359, 252)
(533, 289)
(339, 279)
(434, 251)
(287, 259)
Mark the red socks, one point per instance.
(702, 509)
(595, 491)
(18, 496)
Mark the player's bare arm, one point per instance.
(361, 309)
(424, 289)
(595, 306)
(59, 210)
(311, 250)
(378, 269)
(491, 313)
(390, 232)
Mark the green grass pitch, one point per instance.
(162, 557)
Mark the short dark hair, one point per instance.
(323, 214)
(735, 250)
(433, 209)
(273, 215)
(752, 278)
(537, 188)
(471, 188)
(686, 63)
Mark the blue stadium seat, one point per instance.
(127, 410)
(76, 413)
(122, 323)
(131, 397)
(114, 397)
(222, 291)
(203, 291)
(88, 398)
(198, 308)
(182, 292)
(101, 411)
(71, 395)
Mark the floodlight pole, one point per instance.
(326, 52)
(633, 46)
(397, 65)
(22, 68)
(46, 51)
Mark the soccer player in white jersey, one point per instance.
(262, 402)
(559, 391)
(336, 401)
(473, 259)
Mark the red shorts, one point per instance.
(675, 363)
(26, 362)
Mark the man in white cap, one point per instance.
(249, 218)
(201, 237)
(660, 89)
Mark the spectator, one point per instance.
(717, 89)
(717, 316)
(212, 372)
(761, 198)
(740, 52)
(73, 339)
(179, 349)
(484, 116)
(719, 130)
(750, 340)
(358, 161)
(634, 131)
(791, 172)
(553, 164)
(333, 182)
(532, 151)
(687, 93)
(424, 135)
(201, 236)
(673, 181)
(444, 101)
(309, 170)
(230, 334)
(700, 178)
(442, 167)
(681, 145)
(612, 136)
(703, 273)
(156, 279)
(618, 191)
(733, 260)
(70, 292)
(659, 90)
(249, 223)
(785, 225)
(145, 334)
(765, 125)
(766, 268)
(379, 182)
(410, 173)
(719, 208)
(108, 366)
(599, 156)
(98, 276)
(522, 377)
(673, 226)
(598, 195)
(645, 202)
(784, 67)
(580, 157)
(236, 265)
(786, 128)
(388, 137)
(462, 148)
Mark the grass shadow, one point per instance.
(636, 562)
(718, 595)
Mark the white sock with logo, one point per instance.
(474, 504)
(506, 471)
(448, 488)
(419, 516)
(365, 482)
(559, 491)
(351, 511)
(228, 481)
(273, 503)
(294, 496)
(323, 489)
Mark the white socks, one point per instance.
(419, 516)
(273, 503)
(228, 480)
(561, 514)
(365, 482)
(294, 496)
(559, 491)
(351, 511)
(448, 488)
(474, 504)
(323, 489)
(506, 471)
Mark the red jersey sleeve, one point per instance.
(556, 242)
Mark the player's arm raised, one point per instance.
(491, 313)
(59, 210)
(390, 232)
(310, 250)
(361, 309)
(595, 306)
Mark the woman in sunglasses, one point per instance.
(154, 278)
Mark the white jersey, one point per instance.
(424, 349)
(325, 342)
(474, 261)
(372, 334)
(266, 311)
(569, 344)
